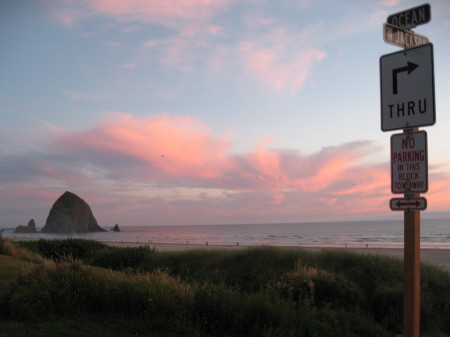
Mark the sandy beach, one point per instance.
(437, 257)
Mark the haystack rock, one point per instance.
(30, 228)
(71, 214)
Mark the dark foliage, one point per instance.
(63, 249)
(250, 292)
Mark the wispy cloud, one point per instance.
(389, 3)
(69, 16)
(278, 61)
(186, 15)
(114, 44)
(275, 59)
(258, 48)
(130, 29)
(129, 65)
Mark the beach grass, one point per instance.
(10, 267)
(261, 291)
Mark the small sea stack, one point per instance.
(30, 228)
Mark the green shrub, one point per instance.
(11, 248)
(313, 287)
(70, 289)
(62, 249)
(124, 258)
(249, 270)
(435, 299)
(91, 252)
(251, 292)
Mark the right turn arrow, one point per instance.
(409, 68)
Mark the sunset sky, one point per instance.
(205, 112)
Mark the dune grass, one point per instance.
(255, 292)
(11, 267)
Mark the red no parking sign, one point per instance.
(409, 162)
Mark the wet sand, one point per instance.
(437, 257)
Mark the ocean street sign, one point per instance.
(407, 89)
(411, 17)
(408, 204)
(402, 38)
(409, 162)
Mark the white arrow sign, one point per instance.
(408, 204)
(407, 89)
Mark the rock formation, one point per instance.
(71, 214)
(30, 228)
(116, 228)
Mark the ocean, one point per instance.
(435, 233)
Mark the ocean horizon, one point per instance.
(435, 233)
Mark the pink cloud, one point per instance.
(438, 187)
(277, 61)
(155, 10)
(169, 13)
(165, 169)
(129, 65)
(389, 3)
(174, 52)
(69, 17)
(274, 56)
(181, 150)
(176, 147)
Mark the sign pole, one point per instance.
(407, 82)
(411, 310)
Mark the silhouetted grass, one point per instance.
(251, 292)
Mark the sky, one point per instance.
(185, 112)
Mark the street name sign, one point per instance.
(409, 162)
(408, 204)
(402, 38)
(411, 17)
(407, 89)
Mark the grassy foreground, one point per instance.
(84, 288)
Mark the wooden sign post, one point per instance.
(407, 102)
(411, 256)
(411, 311)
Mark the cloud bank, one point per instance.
(165, 169)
